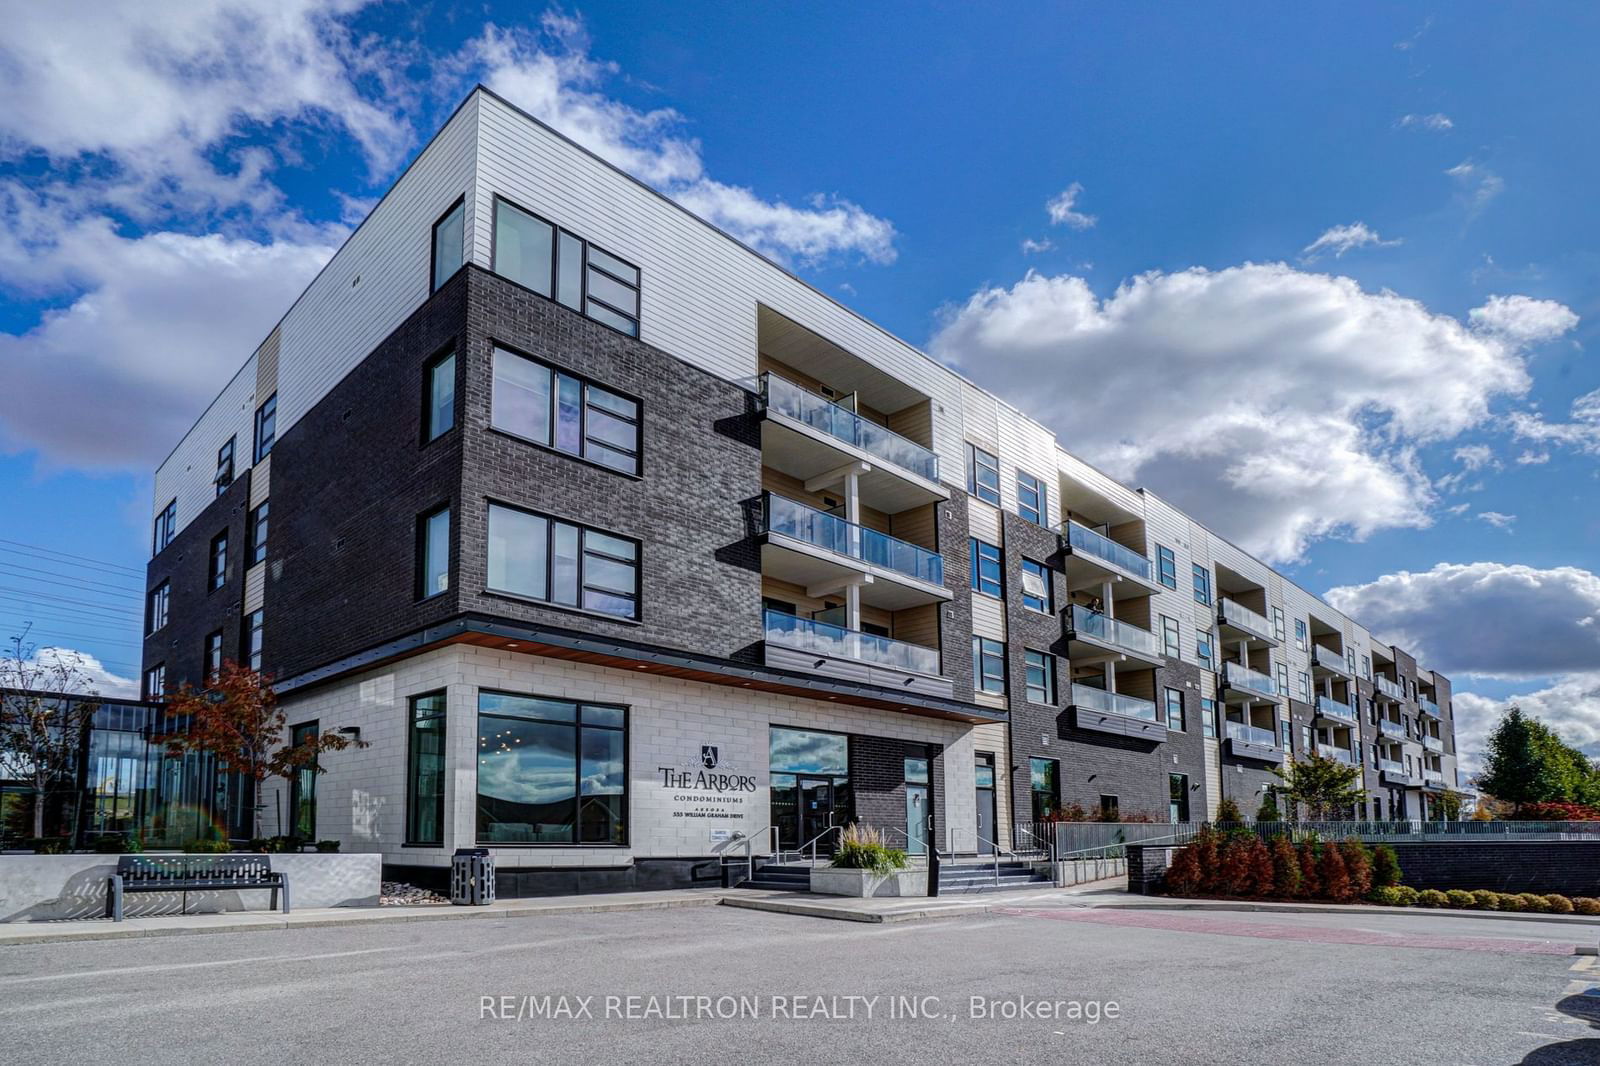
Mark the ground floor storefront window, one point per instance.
(1046, 787)
(551, 771)
(810, 776)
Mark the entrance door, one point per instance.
(917, 811)
(987, 823)
(816, 812)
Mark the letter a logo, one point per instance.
(708, 756)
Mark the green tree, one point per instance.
(41, 735)
(1325, 787)
(1528, 763)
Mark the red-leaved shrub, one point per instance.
(1555, 812)
(1262, 874)
(1310, 878)
(1183, 876)
(1358, 862)
(1334, 875)
(1285, 869)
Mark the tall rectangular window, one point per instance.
(557, 264)
(1208, 717)
(439, 397)
(1202, 585)
(303, 787)
(988, 665)
(1366, 667)
(557, 562)
(1305, 688)
(256, 530)
(156, 614)
(166, 528)
(254, 624)
(1110, 808)
(1171, 638)
(551, 771)
(1040, 668)
(1300, 633)
(224, 475)
(426, 770)
(983, 475)
(219, 560)
(266, 427)
(1283, 679)
(155, 682)
(986, 570)
(557, 410)
(1177, 798)
(1277, 624)
(1036, 592)
(1166, 566)
(433, 553)
(1032, 501)
(1044, 783)
(1202, 648)
(449, 243)
(213, 655)
(1175, 720)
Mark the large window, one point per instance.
(156, 615)
(1283, 679)
(988, 665)
(1300, 633)
(433, 553)
(1044, 782)
(254, 623)
(439, 397)
(1178, 797)
(1040, 668)
(1036, 592)
(219, 560)
(1166, 566)
(224, 475)
(1208, 717)
(554, 263)
(155, 682)
(166, 528)
(425, 771)
(256, 528)
(213, 655)
(1032, 502)
(1171, 640)
(1202, 585)
(983, 475)
(551, 771)
(557, 562)
(554, 409)
(1175, 719)
(449, 243)
(1277, 624)
(266, 427)
(985, 568)
(303, 787)
(1202, 649)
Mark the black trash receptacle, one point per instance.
(471, 877)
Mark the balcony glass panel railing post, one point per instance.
(1428, 706)
(1245, 679)
(834, 534)
(1250, 734)
(821, 638)
(1388, 688)
(787, 398)
(1089, 623)
(1236, 614)
(1330, 706)
(1098, 699)
(1083, 539)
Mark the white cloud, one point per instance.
(1281, 405)
(1570, 705)
(827, 227)
(1062, 209)
(1341, 239)
(1032, 247)
(1581, 433)
(1477, 185)
(1523, 319)
(1436, 122)
(1497, 519)
(1531, 458)
(1474, 456)
(96, 678)
(1458, 509)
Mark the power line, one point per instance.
(26, 595)
(77, 621)
(84, 583)
(68, 555)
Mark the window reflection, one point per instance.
(550, 771)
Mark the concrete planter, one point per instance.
(43, 888)
(834, 881)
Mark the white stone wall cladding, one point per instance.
(361, 794)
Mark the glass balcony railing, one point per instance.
(832, 533)
(1087, 542)
(1389, 688)
(821, 638)
(1331, 707)
(1391, 728)
(1098, 699)
(787, 398)
(1087, 623)
(1428, 706)
(1329, 659)
(1336, 754)
(1236, 614)
(1432, 743)
(1433, 777)
(1247, 680)
(1250, 734)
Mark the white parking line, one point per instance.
(78, 975)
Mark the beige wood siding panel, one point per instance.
(255, 587)
(261, 482)
(988, 617)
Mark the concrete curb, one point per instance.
(1340, 908)
(845, 914)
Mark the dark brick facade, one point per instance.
(1570, 867)
(878, 784)
(955, 623)
(1035, 728)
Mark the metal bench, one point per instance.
(186, 873)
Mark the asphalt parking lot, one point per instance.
(716, 984)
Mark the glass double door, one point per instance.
(804, 811)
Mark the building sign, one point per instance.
(709, 792)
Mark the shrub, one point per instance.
(1358, 860)
(1532, 902)
(1556, 903)
(1285, 869)
(1586, 905)
(1072, 812)
(1183, 876)
(1334, 874)
(117, 844)
(327, 847)
(1237, 876)
(207, 847)
(1389, 896)
(1406, 895)
(863, 849)
(1208, 853)
(1461, 899)
(1556, 812)
(1385, 866)
(1485, 900)
(1506, 901)
(47, 845)
(1228, 811)
(1310, 877)
(1263, 874)
(1268, 811)
(1431, 897)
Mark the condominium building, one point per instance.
(620, 546)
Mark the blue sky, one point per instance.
(1324, 276)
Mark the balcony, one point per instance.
(810, 438)
(1327, 659)
(1433, 779)
(1238, 622)
(1093, 559)
(820, 551)
(1428, 707)
(1241, 682)
(1433, 744)
(1394, 774)
(1092, 636)
(1330, 708)
(1112, 712)
(1337, 754)
(1246, 741)
(795, 643)
(1389, 727)
(1389, 690)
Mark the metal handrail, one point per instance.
(812, 843)
(1048, 847)
(749, 854)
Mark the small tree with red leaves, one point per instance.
(1183, 876)
(236, 719)
(1262, 874)
(1285, 868)
(1310, 878)
(1334, 874)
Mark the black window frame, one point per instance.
(585, 383)
(1052, 802)
(255, 624)
(155, 691)
(1046, 664)
(1166, 566)
(1167, 697)
(982, 656)
(975, 486)
(1110, 807)
(212, 657)
(429, 369)
(1171, 637)
(1046, 605)
(225, 464)
(263, 440)
(256, 531)
(160, 594)
(1209, 726)
(413, 806)
(303, 782)
(978, 557)
(435, 283)
(165, 530)
(551, 522)
(586, 264)
(1205, 648)
(420, 590)
(1027, 482)
(1202, 584)
(217, 563)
